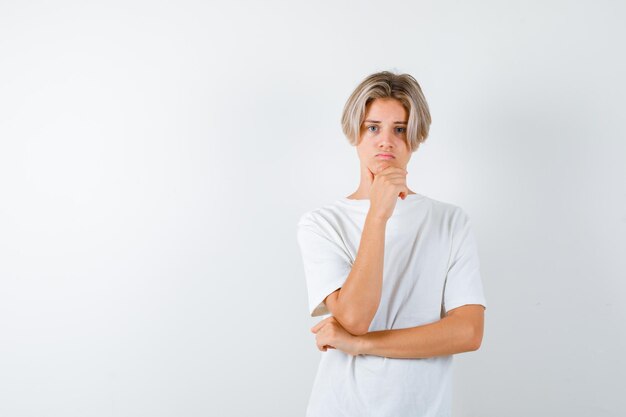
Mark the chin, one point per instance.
(381, 164)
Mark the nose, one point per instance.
(385, 140)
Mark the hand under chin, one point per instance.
(381, 165)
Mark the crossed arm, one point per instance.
(460, 331)
(353, 307)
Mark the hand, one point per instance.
(385, 188)
(329, 334)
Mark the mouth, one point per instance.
(385, 156)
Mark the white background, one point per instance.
(155, 157)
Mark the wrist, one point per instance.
(362, 344)
(376, 220)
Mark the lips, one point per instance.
(385, 156)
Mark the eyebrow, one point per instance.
(378, 121)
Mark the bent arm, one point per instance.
(460, 331)
(355, 303)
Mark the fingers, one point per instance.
(399, 181)
(322, 338)
(384, 168)
(321, 324)
(405, 190)
(397, 176)
(391, 174)
(394, 177)
(395, 170)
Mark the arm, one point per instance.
(355, 303)
(460, 331)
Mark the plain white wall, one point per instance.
(156, 156)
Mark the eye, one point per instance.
(401, 129)
(370, 126)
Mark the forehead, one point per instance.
(384, 108)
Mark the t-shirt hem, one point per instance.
(455, 304)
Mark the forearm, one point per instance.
(447, 336)
(359, 297)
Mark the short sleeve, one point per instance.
(463, 281)
(326, 264)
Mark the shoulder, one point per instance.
(449, 212)
(310, 219)
(449, 219)
(322, 216)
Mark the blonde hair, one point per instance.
(386, 84)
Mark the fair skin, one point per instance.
(383, 181)
(382, 132)
(461, 330)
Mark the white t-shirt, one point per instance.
(430, 267)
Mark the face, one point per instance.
(383, 140)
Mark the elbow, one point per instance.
(358, 330)
(355, 322)
(474, 344)
(475, 340)
(355, 327)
